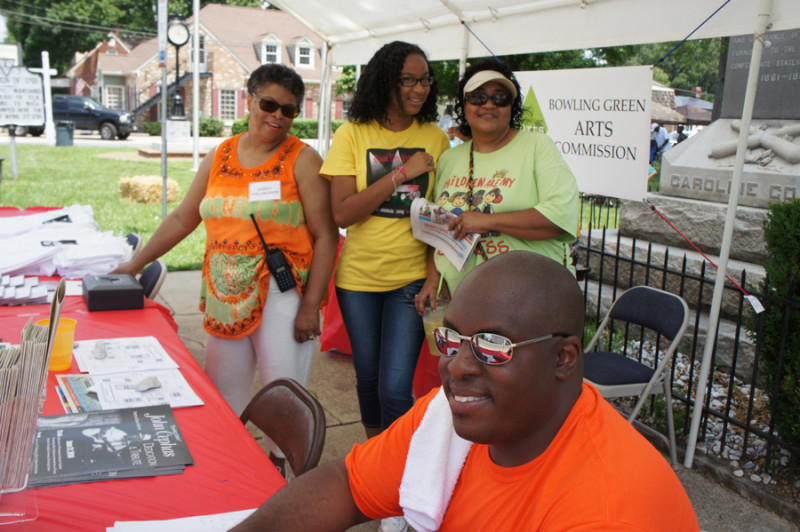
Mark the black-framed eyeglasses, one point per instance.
(489, 348)
(268, 105)
(410, 81)
(500, 99)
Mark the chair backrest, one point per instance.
(152, 278)
(292, 418)
(655, 309)
(662, 312)
(135, 242)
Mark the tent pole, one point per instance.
(763, 25)
(462, 61)
(195, 57)
(326, 87)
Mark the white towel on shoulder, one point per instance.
(436, 455)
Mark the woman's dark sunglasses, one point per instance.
(268, 105)
(500, 99)
(489, 348)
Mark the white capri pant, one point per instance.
(230, 364)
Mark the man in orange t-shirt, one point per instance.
(541, 449)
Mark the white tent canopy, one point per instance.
(355, 29)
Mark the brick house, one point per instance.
(234, 41)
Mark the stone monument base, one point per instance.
(703, 222)
(179, 141)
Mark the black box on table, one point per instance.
(112, 292)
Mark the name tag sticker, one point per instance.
(265, 191)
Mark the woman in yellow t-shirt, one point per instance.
(379, 162)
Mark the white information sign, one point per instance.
(21, 96)
(599, 119)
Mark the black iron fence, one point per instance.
(598, 211)
(738, 423)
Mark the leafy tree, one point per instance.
(692, 64)
(777, 329)
(63, 27)
(347, 81)
(446, 72)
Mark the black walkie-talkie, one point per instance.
(278, 266)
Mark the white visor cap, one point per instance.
(485, 76)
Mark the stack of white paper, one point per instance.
(204, 523)
(66, 241)
(17, 225)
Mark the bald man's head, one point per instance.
(529, 307)
(532, 287)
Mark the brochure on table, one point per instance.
(108, 444)
(124, 372)
(90, 392)
(429, 224)
(116, 355)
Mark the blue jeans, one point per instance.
(386, 335)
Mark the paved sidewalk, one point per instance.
(718, 508)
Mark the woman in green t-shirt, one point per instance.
(508, 184)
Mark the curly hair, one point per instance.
(280, 74)
(498, 66)
(380, 80)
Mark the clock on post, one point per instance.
(178, 35)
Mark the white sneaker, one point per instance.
(393, 524)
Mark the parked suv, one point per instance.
(87, 114)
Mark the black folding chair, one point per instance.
(618, 375)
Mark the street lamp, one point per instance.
(178, 35)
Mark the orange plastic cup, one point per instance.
(61, 356)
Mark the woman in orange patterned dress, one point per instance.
(269, 177)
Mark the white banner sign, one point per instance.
(21, 96)
(599, 119)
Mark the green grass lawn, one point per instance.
(64, 176)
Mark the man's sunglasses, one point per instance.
(410, 81)
(268, 105)
(501, 99)
(489, 348)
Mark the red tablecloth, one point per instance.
(231, 471)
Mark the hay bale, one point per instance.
(147, 188)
